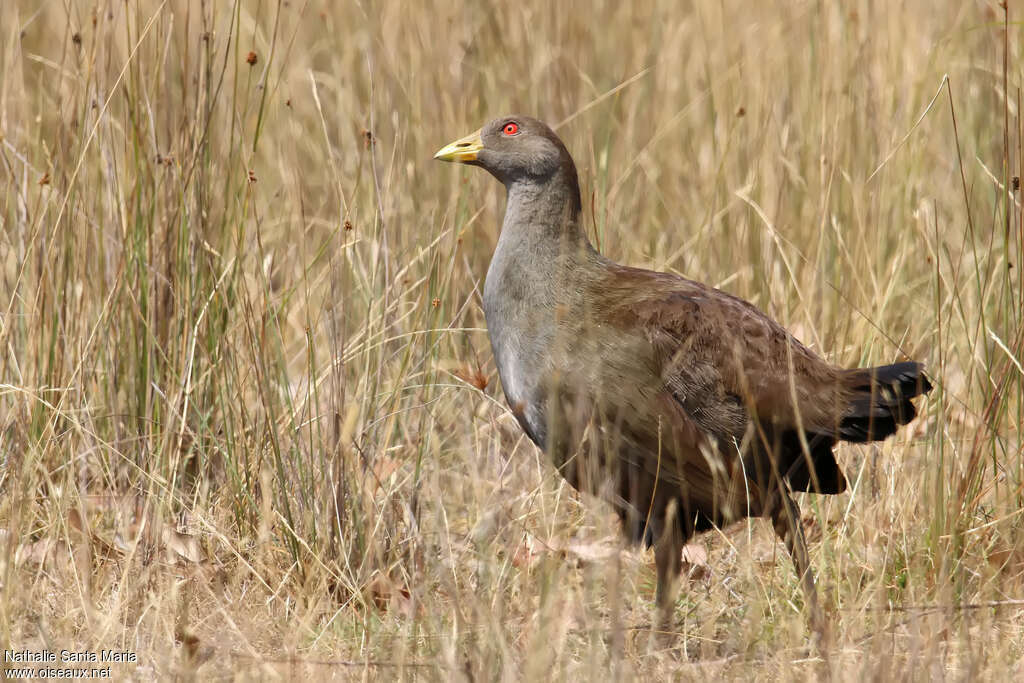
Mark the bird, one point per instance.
(683, 406)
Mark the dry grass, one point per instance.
(225, 305)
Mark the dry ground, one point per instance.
(249, 421)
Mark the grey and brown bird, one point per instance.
(683, 406)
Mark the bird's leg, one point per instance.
(668, 551)
(786, 522)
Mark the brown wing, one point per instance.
(722, 357)
(728, 367)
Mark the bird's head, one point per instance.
(511, 148)
(524, 154)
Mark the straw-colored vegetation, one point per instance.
(249, 420)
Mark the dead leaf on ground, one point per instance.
(178, 545)
(386, 593)
(812, 528)
(695, 562)
(104, 527)
(1008, 561)
(527, 552)
(586, 552)
(383, 468)
(38, 552)
(582, 552)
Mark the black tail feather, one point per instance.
(881, 400)
(819, 473)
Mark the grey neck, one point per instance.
(543, 216)
(536, 288)
(541, 242)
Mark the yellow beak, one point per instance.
(462, 150)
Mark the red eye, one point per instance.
(511, 128)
